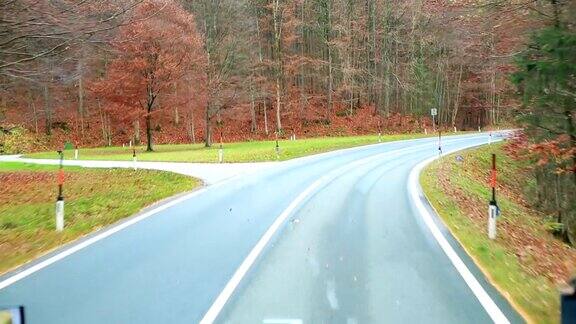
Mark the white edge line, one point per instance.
(75, 248)
(416, 194)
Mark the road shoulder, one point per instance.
(515, 262)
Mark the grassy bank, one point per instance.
(233, 152)
(525, 262)
(94, 198)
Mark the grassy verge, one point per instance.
(233, 152)
(94, 198)
(525, 262)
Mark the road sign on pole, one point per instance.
(434, 113)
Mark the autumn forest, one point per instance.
(107, 72)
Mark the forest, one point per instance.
(103, 73)
(106, 72)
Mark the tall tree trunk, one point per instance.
(34, 113)
(265, 117)
(330, 84)
(277, 18)
(149, 131)
(278, 104)
(192, 126)
(457, 100)
(47, 109)
(208, 131)
(253, 126)
(137, 132)
(176, 112)
(81, 95)
(570, 129)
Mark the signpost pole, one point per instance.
(439, 142)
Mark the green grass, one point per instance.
(465, 214)
(233, 152)
(94, 199)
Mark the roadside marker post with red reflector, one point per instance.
(493, 206)
(60, 199)
(490, 139)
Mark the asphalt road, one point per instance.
(333, 238)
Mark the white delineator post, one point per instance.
(425, 131)
(134, 160)
(60, 215)
(379, 137)
(277, 149)
(492, 206)
(490, 139)
(220, 154)
(76, 154)
(60, 199)
(455, 130)
(492, 213)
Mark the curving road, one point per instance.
(341, 237)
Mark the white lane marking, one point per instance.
(416, 194)
(282, 321)
(245, 266)
(77, 247)
(221, 300)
